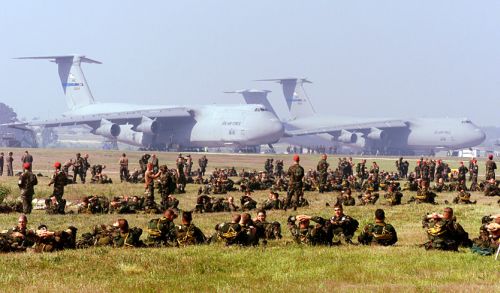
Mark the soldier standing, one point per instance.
(124, 168)
(149, 178)
(432, 170)
(189, 165)
(27, 158)
(1, 163)
(10, 169)
(85, 166)
(26, 183)
(439, 170)
(181, 178)
(491, 166)
(295, 173)
(474, 171)
(143, 163)
(156, 163)
(462, 172)
(78, 168)
(278, 169)
(322, 168)
(203, 162)
(59, 180)
(471, 166)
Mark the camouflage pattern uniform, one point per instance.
(296, 173)
(161, 232)
(444, 234)
(378, 233)
(59, 180)
(322, 168)
(128, 239)
(189, 235)
(491, 166)
(27, 182)
(343, 227)
(311, 235)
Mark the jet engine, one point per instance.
(377, 134)
(347, 137)
(360, 140)
(148, 126)
(129, 136)
(107, 129)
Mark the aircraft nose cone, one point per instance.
(480, 135)
(275, 129)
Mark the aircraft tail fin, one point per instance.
(255, 97)
(73, 81)
(296, 98)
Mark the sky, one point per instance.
(366, 58)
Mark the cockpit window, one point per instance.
(466, 121)
(260, 109)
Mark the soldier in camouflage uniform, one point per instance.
(342, 225)
(463, 197)
(78, 168)
(26, 183)
(267, 230)
(230, 233)
(187, 233)
(295, 173)
(491, 188)
(247, 202)
(308, 234)
(10, 168)
(491, 166)
(125, 236)
(393, 196)
(19, 237)
(322, 169)
(489, 236)
(462, 172)
(379, 233)
(273, 202)
(444, 232)
(180, 176)
(162, 230)
(345, 198)
(94, 204)
(368, 198)
(101, 235)
(59, 180)
(143, 163)
(424, 195)
(49, 241)
(203, 162)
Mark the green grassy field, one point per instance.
(280, 266)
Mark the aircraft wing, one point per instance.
(116, 117)
(385, 124)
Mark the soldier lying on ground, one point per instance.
(94, 204)
(49, 241)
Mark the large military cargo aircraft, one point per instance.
(307, 128)
(232, 126)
